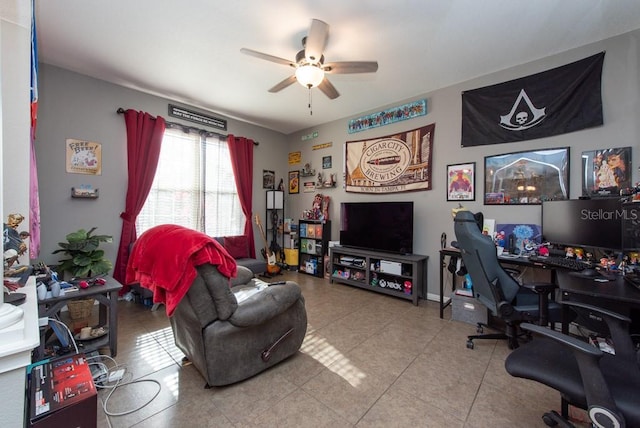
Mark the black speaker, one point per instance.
(512, 244)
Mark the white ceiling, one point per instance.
(189, 50)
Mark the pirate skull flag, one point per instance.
(557, 101)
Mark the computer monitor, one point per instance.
(587, 223)
(631, 227)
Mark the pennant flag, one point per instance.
(557, 101)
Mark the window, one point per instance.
(193, 187)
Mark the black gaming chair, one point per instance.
(496, 289)
(606, 385)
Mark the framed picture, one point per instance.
(326, 162)
(528, 177)
(461, 182)
(606, 172)
(294, 182)
(268, 179)
(84, 157)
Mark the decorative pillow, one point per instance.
(237, 246)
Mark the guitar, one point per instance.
(272, 267)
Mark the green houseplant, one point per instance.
(85, 259)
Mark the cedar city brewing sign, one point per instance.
(390, 164)
(84, 157)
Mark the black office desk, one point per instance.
(454, 252)
(616, 295)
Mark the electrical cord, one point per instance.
(71, 338)
(108, 370)
(119, 383)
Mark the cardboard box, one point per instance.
(467, 309)
(62, 393)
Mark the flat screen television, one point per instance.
(587, 223)
(377, 226)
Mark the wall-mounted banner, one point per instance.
(390, 164)
(556, 101)
(193, 116)
(84, 157)
(392, 115)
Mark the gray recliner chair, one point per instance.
(229, 341)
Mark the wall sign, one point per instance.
(321, 146)
(192, 116)
(84, 157)
(294, 157)
(385, 117)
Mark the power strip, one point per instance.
(116, 376)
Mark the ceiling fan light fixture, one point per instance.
(309, 75)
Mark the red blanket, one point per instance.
(165, 257)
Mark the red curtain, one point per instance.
(241, 151)
(144, 138)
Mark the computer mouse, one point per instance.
(589, 272)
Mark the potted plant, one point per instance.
(85, 259)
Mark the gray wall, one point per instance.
(75, 106)
(621, 99)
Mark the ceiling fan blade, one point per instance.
(316, 41)
(267, 57)
(286, 82)
(328, 89)
(347, 67)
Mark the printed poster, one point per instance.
(84, 157)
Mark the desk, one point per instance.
(106, 295)
(616, 295)
(454, 252)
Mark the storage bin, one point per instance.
(291, 256)
(467, 309)
(80, 309)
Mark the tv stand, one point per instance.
(399, 275)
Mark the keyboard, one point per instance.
(561, 262)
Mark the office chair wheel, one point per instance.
(548, 421)
(479, 329)
(470, 344)
(553, 419)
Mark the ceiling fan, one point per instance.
(309, 65)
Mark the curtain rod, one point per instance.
(189, 127)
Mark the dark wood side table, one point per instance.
(107, 297)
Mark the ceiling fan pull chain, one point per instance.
(310, 103)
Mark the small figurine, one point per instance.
(374, 279)
(407, 287)
(316, 208)
(13, 244)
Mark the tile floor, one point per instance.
(368, 360)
